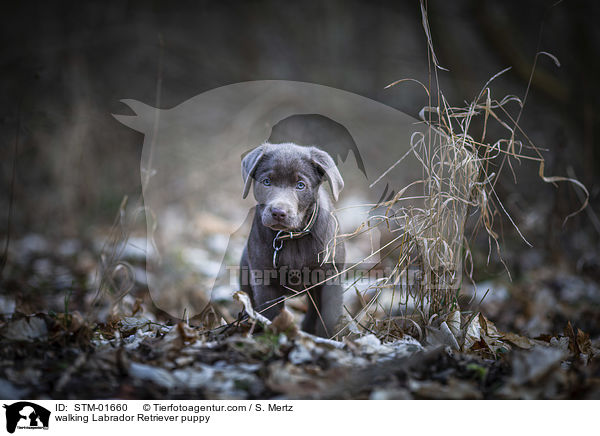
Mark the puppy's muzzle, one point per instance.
(280, 216)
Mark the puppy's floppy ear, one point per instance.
(324, 161)
(249, 163)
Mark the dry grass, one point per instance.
(460, 171)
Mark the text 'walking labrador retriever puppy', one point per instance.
(293, 227)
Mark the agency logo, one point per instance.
(191, 160)
(26, 415)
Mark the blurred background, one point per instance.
(66, 163)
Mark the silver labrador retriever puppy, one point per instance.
(292, 228)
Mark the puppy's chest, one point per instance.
(299, 265)
(300, 253)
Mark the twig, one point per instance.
(11, 194)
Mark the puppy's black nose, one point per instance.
(278, 214)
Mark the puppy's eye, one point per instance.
(300, 185)
(266, 182)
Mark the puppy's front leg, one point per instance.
(268, 300)
(331, 310)
(312, 316)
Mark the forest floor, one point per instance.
(536, 338)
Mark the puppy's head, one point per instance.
(287, 179)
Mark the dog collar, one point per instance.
(283, 235)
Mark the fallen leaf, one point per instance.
(583, 342)
(570, 333)
(518, 340)
(284, 323)
(489, 328)
(454, 323)
(243, 298)
(472, 333)
(442, 336)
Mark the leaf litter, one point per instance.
(45, 356)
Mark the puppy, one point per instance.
(292, 228)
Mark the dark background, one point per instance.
(66, 65)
